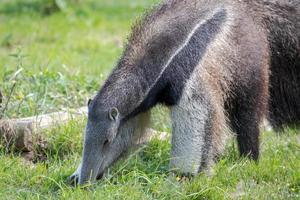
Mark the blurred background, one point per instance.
(56, 53)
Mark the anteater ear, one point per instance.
(113, 114)
(89, 102)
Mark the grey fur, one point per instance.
(129, 133)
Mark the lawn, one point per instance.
(54, 59)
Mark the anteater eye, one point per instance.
(105, 142)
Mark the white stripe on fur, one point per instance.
(190, 35)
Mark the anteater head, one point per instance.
(100, 133)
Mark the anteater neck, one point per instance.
(159, 74)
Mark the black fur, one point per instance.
(284, 37)
(169, 87)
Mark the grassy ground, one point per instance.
(56, 60)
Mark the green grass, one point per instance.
(65, 56)
(58, 60)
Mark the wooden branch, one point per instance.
(151, 134)
(19, 132)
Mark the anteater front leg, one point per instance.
(191, 134)
(248, 112)
(246, 124)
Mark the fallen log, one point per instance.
(18, 134)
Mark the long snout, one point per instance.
(91, 162)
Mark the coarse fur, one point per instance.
(284, 41)
(213, 63)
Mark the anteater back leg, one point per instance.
(284, 102)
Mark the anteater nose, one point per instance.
(74, 179)
(100, 176)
